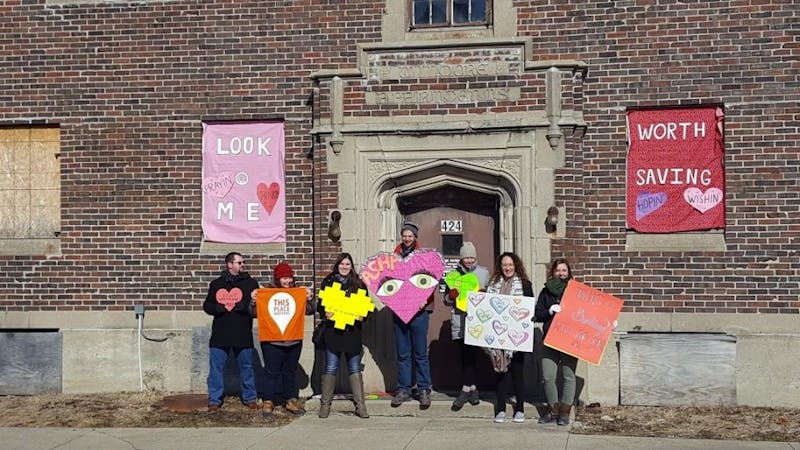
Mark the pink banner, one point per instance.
(243, 182)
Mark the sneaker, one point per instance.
(213, 408)
(473, 398)
(294, 406)
(399, 398)
(268, 407)
(424, 400)
(519, 417)
(500, 417)
(458, 403)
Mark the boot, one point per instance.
(328, 385)
(551, 415)
(357, 386)
(563, 414)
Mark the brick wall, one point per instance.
(129, 85)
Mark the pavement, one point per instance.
(405, 427)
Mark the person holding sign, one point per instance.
(231, 331)
(345, 341)
(412, 337)
(547, 306)
(281, 356)
(468, 276)
(509, 278)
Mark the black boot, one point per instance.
(563, 414)
(551, 415)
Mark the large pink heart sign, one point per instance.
(268, 195)
(229, 299)
(405, 284)
(702, 201)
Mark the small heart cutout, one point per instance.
(268, 195)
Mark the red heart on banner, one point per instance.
(268, 196)
(229, 299)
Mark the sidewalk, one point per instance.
(402, 428)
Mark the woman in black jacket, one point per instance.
(347, 341)
(547, 306)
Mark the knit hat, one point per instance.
(467, 250)
(412, 227)
(283, 270)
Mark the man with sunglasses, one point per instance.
(228, 300)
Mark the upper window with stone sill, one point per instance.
(449, 13)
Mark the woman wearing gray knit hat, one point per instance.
(468, 263)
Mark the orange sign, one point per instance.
(281, 314)
(585, 322)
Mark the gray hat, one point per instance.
(467, 250)
(412, 227)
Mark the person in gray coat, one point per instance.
(467, 264)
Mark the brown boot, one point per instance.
(552, 414)
(268, 407)
(325, 400)
(295, 407)
(563, 414)
(357, 386)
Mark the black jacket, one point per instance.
(543, 303)
(347, 340)
(232, 328)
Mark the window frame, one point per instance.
(449, 23)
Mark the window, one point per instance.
(30, 190)
(449, 13)
(451, 244)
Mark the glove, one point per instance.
(555, 309)
(615, 324)
(453, 294)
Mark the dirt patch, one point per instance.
(125, 410)
(729, 423)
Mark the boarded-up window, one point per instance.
(30, 190)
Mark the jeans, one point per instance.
(551, 358)
(412, 338)
(516, 377)
(332, 362)
(280, 366)
(217, 358)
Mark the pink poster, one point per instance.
(243, 185)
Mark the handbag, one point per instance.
(318, 338)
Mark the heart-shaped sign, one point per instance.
(464, 284)
(646, 203)
(499, 304)
(227, 298)
(475, 331)
(518, 337)
(483, 315)
(404, 285)
(218, 186)
(703, 201)
(268, 195)
(281, 308)
(519, 313)
(499, 327)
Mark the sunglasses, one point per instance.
(239, 262)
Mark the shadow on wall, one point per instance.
(379, 340)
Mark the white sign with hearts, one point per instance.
(500, 321)
(703, 201)
(282, 307)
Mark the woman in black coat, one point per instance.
(347, 341)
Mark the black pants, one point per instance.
(468, 357)
(514, 377)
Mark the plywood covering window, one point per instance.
(30, 190)
(449, 13)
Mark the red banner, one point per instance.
(675, 177)
(585, 322)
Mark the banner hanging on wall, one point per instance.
(243, 182)
(675, 176)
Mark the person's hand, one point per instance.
(253, 294)
(328, 315)
(453, 294)
(423, 305)
(308, 293)
(555, 309)
(615, 324)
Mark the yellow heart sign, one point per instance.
(345, 309)
(475, 331)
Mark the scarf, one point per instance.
(231, 278)
(556, 286)
(511, 286)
